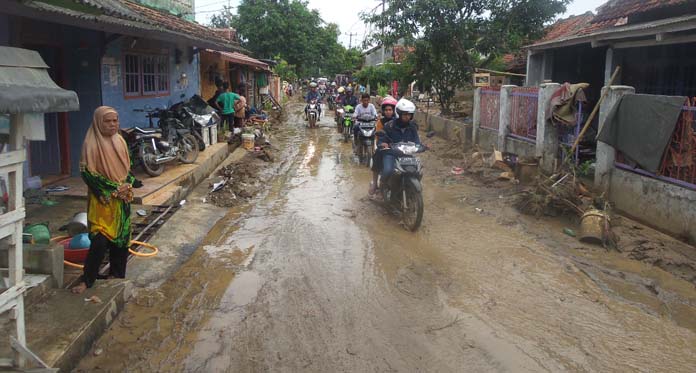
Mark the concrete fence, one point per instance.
(522, 128)
(666, 203)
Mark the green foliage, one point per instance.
(385, 74)
(284, 69)
(289, 30)
(382, 90)
(451, 37)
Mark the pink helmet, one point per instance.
(389, 101)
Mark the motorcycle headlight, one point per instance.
(368, 133)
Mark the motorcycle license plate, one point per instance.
(408, 161)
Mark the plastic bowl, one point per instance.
(73, 255)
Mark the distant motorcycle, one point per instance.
(332, 101)
(347, 122)
(153, 147)
(313, 113)
(365, 139)
(403, 190)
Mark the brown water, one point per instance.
(317, 277)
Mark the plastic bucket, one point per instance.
(592, 227)
(78, 224)
(248, 141)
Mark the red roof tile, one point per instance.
(568, 27)
(174, 23)
(617, 9)
(515, 62)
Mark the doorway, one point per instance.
(50, 159)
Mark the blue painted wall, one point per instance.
(81, 61)
(112, 80)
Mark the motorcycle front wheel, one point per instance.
(149, 156)
(412, 212)
(188, 148)
(199, 140)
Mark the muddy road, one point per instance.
(314, 276)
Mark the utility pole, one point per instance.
(350, 42)
(383, 1)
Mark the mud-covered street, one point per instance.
(313, 275)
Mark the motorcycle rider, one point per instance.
(312, 95)
(350, 99)
(387, 106)
(401, 129)
(366, 110)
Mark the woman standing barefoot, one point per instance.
(105, 168)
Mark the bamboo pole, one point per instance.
(595, 110)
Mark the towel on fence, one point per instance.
(641, 126)
(563, 108)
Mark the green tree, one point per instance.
(288, 29)
(451, 36)
(224, 19)
(285, 70)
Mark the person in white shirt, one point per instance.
(364, 112)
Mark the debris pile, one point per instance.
(238, 182)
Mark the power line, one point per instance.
(211, 4)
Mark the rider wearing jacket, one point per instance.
(350, 99)
(312, 95)
(388, 105)
(401, 129)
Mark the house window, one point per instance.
(146, 75)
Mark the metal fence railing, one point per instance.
(679, 158)
(567, 135)
(523, 114)
(490, 108)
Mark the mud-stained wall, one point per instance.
(487, 139)
(521, 148)
(668, 207)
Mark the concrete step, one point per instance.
(62, 327)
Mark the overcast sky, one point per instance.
(348, 19)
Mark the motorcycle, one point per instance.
(340, 113)
(347, 122)
(154, 147)
(332, 101)
(365, 139)
(312, 113)
(196, 114)
(403, 190)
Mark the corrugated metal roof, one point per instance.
(26, 87)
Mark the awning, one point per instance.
(26, 87)
(241, 59)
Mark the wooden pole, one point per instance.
(595, 110)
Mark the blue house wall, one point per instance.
(112, 83)
(75, 65)
(82, 48)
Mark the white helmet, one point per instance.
(405, 107)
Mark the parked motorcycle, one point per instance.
(312, 113)
(196, 114)
(347, 122)
(153, 147)
(403, 190)
(365, 139)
